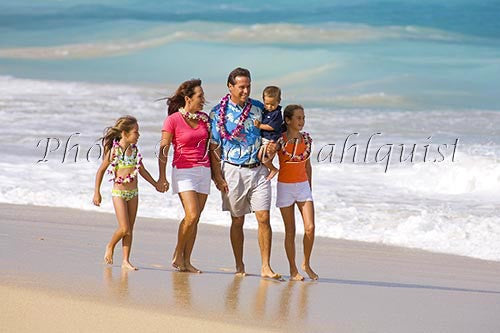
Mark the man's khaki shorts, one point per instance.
(249, 191)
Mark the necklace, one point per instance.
(221, 128)
(194, 116)
(301, 157)
(120, 159)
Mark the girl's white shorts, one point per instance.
(289, 193)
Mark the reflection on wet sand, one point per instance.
(181, 289)
(118, 287)
(273, 301)
(231, 299)
(260, 299)
(252, 299)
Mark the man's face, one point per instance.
(240, 90)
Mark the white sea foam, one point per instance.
(449, 207)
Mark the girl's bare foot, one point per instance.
(108, 255)
(272, 173)
(310, 272)
(268, 273)
(240, 270)
(191, 269)
(296, 277)
(128, 265)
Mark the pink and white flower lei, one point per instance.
(195, 116)
(221, 128)
(114, 163)
(304, 155)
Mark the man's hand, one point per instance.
(256, 123)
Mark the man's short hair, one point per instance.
(271, 91)
(231, 79)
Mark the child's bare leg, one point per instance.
(127, 239)
(121, 213)
(268, 163)
(202, 199)
(288, 215)
(267, 160)
(307, 211)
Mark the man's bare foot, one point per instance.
(310, 272)
(128, 265)
(108, 255)
(268, 273)
(191, 269)
(240, 270)
(296, 277)
(273, 172)
(178, 266)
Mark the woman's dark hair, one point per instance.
(288, 113)
(125, 123)
(177, 100)
(231, 79)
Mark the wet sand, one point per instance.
(52, 277)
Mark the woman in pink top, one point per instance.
(186, 128)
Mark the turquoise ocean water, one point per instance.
(413, 54)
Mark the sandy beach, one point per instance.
(53, 279)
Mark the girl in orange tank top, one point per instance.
(294, 188)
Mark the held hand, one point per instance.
(97, 199)
(162, 185)
(256, 123)
(159, 187)
(222, 186)
(272, 147)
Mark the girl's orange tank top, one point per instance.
(291, 171)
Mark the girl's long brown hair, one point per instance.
(125, 123)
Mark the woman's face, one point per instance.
(197, 101)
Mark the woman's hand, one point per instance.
(222, 186)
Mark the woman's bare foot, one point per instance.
(128, 265)
(178, 263)
(108, 255)
(191, 269)
(268, 273)
(179, 266)
(240, 270)
(272, 172)
(310, 272)
(295, 276)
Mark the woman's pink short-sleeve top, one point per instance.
(190, 144)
